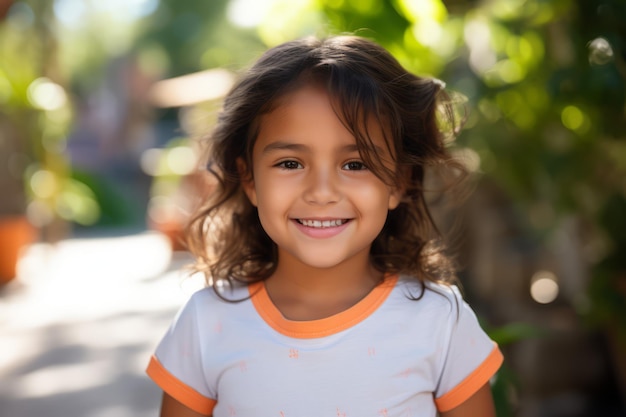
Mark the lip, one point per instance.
(321, 232)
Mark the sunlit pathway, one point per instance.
(78, 326)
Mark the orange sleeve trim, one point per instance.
(179, 391)
(481, 375)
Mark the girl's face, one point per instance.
(316, 199)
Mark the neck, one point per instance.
(302, 292)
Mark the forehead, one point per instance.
(311, 109)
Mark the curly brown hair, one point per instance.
(225, 233)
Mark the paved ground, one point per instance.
(79, 324)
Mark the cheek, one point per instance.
(271, 199)
(375, 195)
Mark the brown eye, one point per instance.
(354, 166)
(289, 165)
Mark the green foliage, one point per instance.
(35, 117)
(544, 82)
(513, 332)
(546, 88)
(112, 207)
(609, 276)
(194, 35)
(502, 389)
(506, 384)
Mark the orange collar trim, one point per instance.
(322, 327)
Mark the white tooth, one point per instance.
(322, 223)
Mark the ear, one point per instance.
(395, 197)
(247, 181)
(397, 193)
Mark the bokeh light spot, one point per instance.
(43, 183)
(544, 287)
(600, 51)
(572, 117)
(181, 160)
(46, 95)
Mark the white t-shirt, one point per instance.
(386, 356)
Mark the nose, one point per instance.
(322, 186)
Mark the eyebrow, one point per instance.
(281, 145)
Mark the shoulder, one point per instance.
(206, 312)
(203, 297)
(430, 294)
(213, 300)
(221, 293)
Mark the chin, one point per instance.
(322, 260)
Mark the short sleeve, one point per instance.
(470, 360)
(177, 368)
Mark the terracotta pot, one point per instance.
(16, 232)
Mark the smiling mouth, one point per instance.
(322, 224)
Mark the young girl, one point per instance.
(326, 295)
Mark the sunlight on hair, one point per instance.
(544, 287)
(468, 157)
(451, 113)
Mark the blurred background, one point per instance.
(101, 103)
